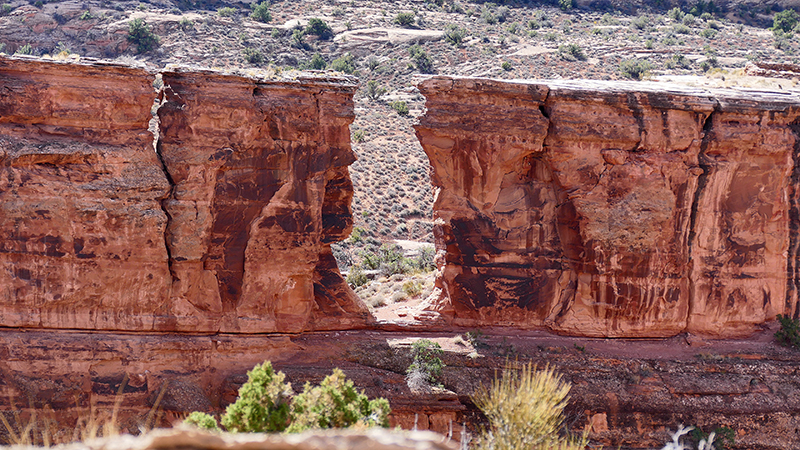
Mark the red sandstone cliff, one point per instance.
(612, 209)
(226, 228)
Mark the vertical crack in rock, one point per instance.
(702, 180)
(157, 146)
(793, 256)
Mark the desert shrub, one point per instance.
(345, 63)
(317, 62)
(356, 277)
(336, 403)
(186, 24)
(202, 420)
(785, 20)
(6, 9)
(789, 334)
(422, 61)
(708, 33)
(424, 260)
(263, 402)
(689, 19)
(226, 11)
(87, 15)
(608, 19)
(640, 23)
(400, 107)
(681, 28)
(488, 17)
(374, 91)
(140, 34)
(454, 34)
(506, 66)
(676, 14)
(427, 362)
(261, 12)
(634, 68)
(565, 5)
(319, 28)
(571, 52)
(678, 61)
(405, 19)
(253, 56)
(525, 408)
(24, 50)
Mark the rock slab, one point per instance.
(612, 209)
(222, 221)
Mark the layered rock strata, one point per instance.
(612, 209)
(226, 226)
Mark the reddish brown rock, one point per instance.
(81, 229)
(261, 190)
(227, 228)
(610, 209)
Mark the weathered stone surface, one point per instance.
(226, 227)
(611, 209)
(81, 228)
(261, 190)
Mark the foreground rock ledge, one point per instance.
(613, 209)
(373, 439)
(222, 223)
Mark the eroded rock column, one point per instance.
(261, 190)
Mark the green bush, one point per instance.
(427, 360)
(789, 334)
(140, 34)
(422, 61)
(6, 9)
(785, 20)
(263, 403)
(87, 15)
(336, 403)
(24, 50)
(202, 420)
(405, 19)
(317, 62)
(319, 28)
(640, 23)
(401, 108)
(356, 277)
(454, 34)
(571, 52)
(634, 68)
(226, 11)
(565, 5)
(506, 66)
(723, 437)
(676, 14)
(261, 12)
(525, 408)
(345, 63)
(253, 56)
(374, 90)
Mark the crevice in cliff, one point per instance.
(793, 256)
(702, 180)
(161, 100)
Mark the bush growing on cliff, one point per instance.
(266, 403)
(427, 365)
(263, 403)
(261, 12)
(336, 403)
(140, 34)
(525, 408)
(789, 334)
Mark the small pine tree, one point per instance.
(140, 34)
(336, 403)
(263, 402)
(261, 12)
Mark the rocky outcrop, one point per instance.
(612, 209)
(226, 227)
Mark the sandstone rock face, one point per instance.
(226, 226)
(81, 229)
(612, 209)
